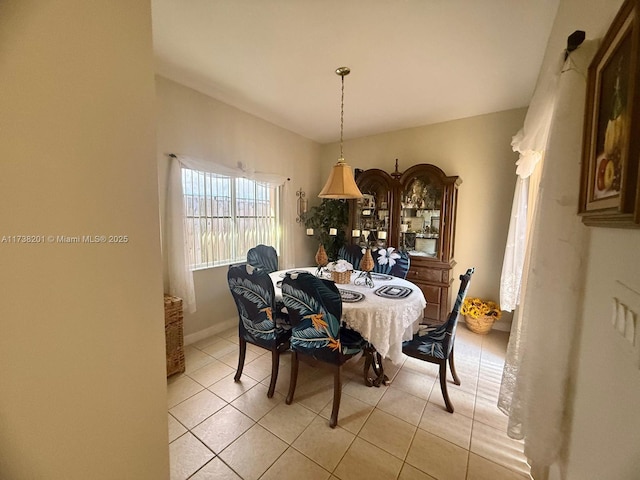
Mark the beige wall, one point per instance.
(604, 410)
(478, 150)
(82, 368)
(193, 124)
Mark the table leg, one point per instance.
(373, 360)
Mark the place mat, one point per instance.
(381, 276)
(284, 274)
(393, 291)
(349, 296)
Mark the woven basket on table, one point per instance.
(481, 325)
(341, 277)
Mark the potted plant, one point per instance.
(329, 214)
(479, 314)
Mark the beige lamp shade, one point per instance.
(341, 183)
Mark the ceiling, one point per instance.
(413, 62)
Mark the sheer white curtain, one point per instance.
(535, 381)
(287, 254)
(530, 142)
(180, 275)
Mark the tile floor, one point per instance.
(219, 429)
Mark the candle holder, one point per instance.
(365, 242)
(382, 239)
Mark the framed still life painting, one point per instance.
(609, 187)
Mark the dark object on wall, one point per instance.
(574, 41)
(609, 188)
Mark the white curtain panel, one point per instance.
(538, 367)
(514, 253)
(530, 142)
(180, 274)
(287, 254)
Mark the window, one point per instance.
(226, 216)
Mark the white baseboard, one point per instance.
(212, 330)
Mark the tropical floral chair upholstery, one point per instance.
(434, 344)
(391, 262)
(263, 256)
(260, 322)
(352, 254)
(315, 309)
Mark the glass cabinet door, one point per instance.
(421, 206)
(428, 200)
(372, 217)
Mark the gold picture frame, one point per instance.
(609, 189)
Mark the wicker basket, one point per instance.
(173, 334)
(341, 277)
(481, 325)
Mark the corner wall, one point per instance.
(478, 150)
(82, 370)
(193, 124)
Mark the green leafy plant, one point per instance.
(329, 214)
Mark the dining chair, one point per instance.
(352, 254)
(263, 256)
(260, 322)
(434, 343)
(315, 309)
(400, 267)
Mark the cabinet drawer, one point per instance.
(424, 274)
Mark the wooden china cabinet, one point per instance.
(416, 212)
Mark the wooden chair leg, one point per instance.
(337, 395)
(377, 364)
(368, 360)
(241, 356)
(443, 386)
(452, 366)
(294, 377)
(275, 363)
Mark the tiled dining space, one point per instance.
(219, 429)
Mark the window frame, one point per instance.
(206, 201)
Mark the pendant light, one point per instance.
(341, 183)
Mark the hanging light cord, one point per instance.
(342, 71)
(341, 116)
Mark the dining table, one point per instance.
(385, 312)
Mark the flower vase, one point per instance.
(321, 256)
(366, 263)
(321, 260)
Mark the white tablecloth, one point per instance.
(383, 322)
